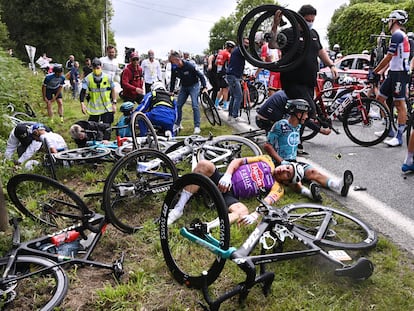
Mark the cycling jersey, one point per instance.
(400, 48)
(53, 82)
(222, 59)
(256, 177)
(285, 139)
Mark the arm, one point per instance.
(30, 151)
(383, 63)
(323, 55)
(201, 77)
(12, 144)
(272, 152)
(276, 21)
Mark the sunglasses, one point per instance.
(134, 59)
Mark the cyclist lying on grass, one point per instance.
(244, 178)
(84, 131)
(282, 145)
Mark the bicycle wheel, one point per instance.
(29, 110)
(22, 116)
(410, 121)
(45, 200)
(186, 259)
(208, 106)
(253, 95)
(223, 149)
(24, 289)
(148, 139)
(343, 230)
(135, 188)
(83, 154)
(363, 123)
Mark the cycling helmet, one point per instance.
(96, 62)
(336, 47)
(400, 16)
(57, 69)
(36, 127)
(297, 105)
(229, 44)
(259, 36)
(298, 172)
(410, 35)
(365, 52)
(158, 85)
(126, 107)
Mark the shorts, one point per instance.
(264, 124)
(229, 197)
(222, 83)
(274, 80)
(50, 93)
(395, 85)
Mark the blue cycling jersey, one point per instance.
(285, 139)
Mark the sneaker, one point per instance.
(173, 215)
(316, 192)
(407, 168)
(219, 107)
(347, 182)
(374, 115)
(390, 133)
(61, 119)
(168, 134)
(197, 130)
(394, 142)
(238, 120)
(229, 118)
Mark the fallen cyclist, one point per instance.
(244, 178)
(84, 131)
(282, 145)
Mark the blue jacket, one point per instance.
(188, 74)
(236, 64)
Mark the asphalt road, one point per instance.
(387, 204)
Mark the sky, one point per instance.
(162, 25)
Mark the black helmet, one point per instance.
(96, 62)
(297, 105)
(229, 44)
(57, 69)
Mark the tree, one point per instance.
(59, 28)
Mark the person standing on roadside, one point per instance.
(132, 80)
(69, 63)
(233, 77)
(110, 64)
(87, 69)
(395, 83)
(101, 106)
(300, 82)
(74, 79)
(190, 78)
(222, 62)
(52, 91)
(151, 69)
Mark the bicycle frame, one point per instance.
(275, 227)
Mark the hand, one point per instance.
(225, 182)
(204, 90)
(325, 131)
(249, 219)
(83, 108)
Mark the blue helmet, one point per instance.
(126, 107)
(36, 126)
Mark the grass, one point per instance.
(302, 284)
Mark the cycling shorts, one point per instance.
(229, 197)
(50, 93)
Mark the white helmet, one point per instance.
(400, 15)
(259, 37)
(298, 172)
(158, 85)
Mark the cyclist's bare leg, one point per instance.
(314, 175)
(60, 106)
(49, 108)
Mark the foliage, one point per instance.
(58, 28)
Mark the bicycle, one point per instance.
(17, 117)
(209, 109)
(363, 118)
(196, 254)
(250, 96)
(144, 175)
(261, 86)
(32, 274)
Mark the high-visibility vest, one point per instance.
(100, 96)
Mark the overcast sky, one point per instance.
(162, 25)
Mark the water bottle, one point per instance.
(65, 237)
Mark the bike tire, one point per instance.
(133, 188)
(91, 153)
(378, 120)
(343, 231)
(236, 146)
(151, 138)
(253, 95)
(24, 117)
(293, 56)
(410, 122)
(208, 106)
(46, 201)
(29, 110)
(186, 260)
(261, 92)
(39, 291)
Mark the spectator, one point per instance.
(84, 131)
(110, 64)
(101, 105)
(273, 109)
(52, 91)
(160, 108)
(222, 62)
(21, 139)
(189, 77)
(87, 69)
(132, 80)
(74, 79)
(44, 62)
(151, 69)
(283, 140)
(53, 141)
(70, 62)
(234, 74)
(301, 81)
(213, 77)
(395, 84)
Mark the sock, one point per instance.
(216, 102)
(409, 158)
(212, 224)
(401, 128)
(335, 185)
(306, 192)
(185, 196)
